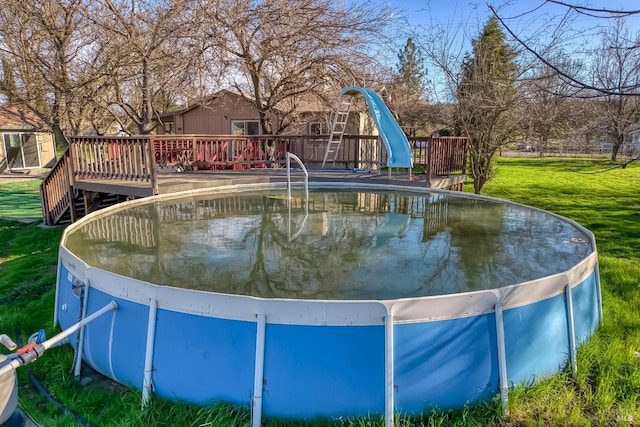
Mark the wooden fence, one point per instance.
(446, 156)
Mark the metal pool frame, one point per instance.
(320, 358)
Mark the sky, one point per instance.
(423, 13)
(450, 25)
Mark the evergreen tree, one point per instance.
(411, 71)
(408, 88)
(487, 100)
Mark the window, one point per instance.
(245, 127)
(170, 128)
(318, 128)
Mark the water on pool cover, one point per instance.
(337, 245)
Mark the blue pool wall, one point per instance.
(329, 358)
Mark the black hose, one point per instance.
(48, 396)
(61, 408)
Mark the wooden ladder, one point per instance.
(338, 126)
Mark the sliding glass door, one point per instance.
(21, 150)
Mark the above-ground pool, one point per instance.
(356, 300)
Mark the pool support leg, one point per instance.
(389, 403)
(147, 380)
(572, 330)
(55, 302)
(598, 293)
(83, 313)
(502, 359)
(258, 378)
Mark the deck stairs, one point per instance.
(338, 127)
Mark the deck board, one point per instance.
(111, 186)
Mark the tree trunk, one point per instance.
(616, 147)
(59, 140)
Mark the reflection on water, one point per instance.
(339, 245)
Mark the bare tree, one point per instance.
(544, 108)
(143, 57)
(617, 65)
(45, 46)
(546, 53)
(279, 50)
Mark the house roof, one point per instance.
(19, 118)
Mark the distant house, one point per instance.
(228, 113)
(630, 146)
(26, 142)
(633, 146)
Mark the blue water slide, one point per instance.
(394, 139)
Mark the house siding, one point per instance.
(47, 149)
(215, 118)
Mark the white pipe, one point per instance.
(148, 358)
(258, 378)
(388, 367)
(7, 342)
(41, 348)
(502, 359)
(572, 330)
(64, 334)
(78, 362)
(11, 366)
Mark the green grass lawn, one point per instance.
(605, 392)
(20, 200)
(606, 200)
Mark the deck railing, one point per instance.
(219, 152)
(122, 159)
(56, 192)
(446, 156)
(193, 152)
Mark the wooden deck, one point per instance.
(96, 172)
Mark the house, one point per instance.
(229, 113)
(25, 141)
(632, 147)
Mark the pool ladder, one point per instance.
(289, 156)
(306, 193)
